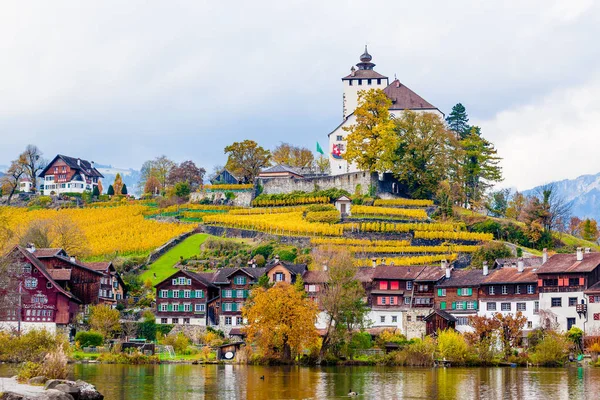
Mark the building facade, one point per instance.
(112, 287)
(69, 175)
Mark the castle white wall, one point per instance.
(350, 96)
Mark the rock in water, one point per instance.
(37, 380)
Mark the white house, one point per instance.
(69, 175)
(365, 78)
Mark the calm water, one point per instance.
(243, 382)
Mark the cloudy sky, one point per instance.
(119, 82)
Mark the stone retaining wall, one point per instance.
(242, 198)
(248, 234)
(168, 246)
(348, 182)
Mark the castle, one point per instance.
(364, 77)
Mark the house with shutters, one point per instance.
(183, 298)
(69, 175)
(567, 285)
(112, 287)
(30, 298)
(284, 271)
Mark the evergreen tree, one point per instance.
(95, 191)
(458, 121)
(124, 190)
(110, 191)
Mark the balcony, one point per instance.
(561, 289)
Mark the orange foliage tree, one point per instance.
(281, 321)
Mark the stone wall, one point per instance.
(414, 328)
(242, 198)
(168, 246)
(248, 234)
(348, 182)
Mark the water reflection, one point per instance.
(161, 382)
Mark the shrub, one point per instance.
(452, 346)
(490, 252)
(180, 342)
(390, 336)
(329, 217)
(287, 255)
(265, 250)
(320, 207)
(551, 351)
(30, 346)
(54, 365)
(89, 338)
(29, 370)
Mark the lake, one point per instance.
(172, 381)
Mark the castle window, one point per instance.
(379, 81)
(368, 81)
(339, 138)
(350, 82)
(359, 82)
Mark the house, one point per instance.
(227, 178)
(284, 271)
(69, 175)
(29, 296)
(567, 284)
(509, 290)
(25, 185)
(512, 262)
(364, 77)
(458, 294)
(82, 281)
(183, 298)
(439, 320)
(280, 171)
(112, 287)
(343, 205)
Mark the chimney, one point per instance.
(353, 71)
(92, 164)
(276, 258)
(72, 259)
(397, 83)
(444, 265)
(579, 254)
(383, 261)
(520, 265)
(485, 269)
(79, 162)
(31, 247)
(588, 250)
(392, 263)
(448, 272)
(544, 256)
(374, 260)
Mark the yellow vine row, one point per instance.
(454, 235)
(349, 241)
(400, 261)
(402, 212)
(403, 202)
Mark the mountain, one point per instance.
(131, 178)
(583, 193)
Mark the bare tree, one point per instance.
(33, 163)
(555, 210)
(10, 182)
(38, 233)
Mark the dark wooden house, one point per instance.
(439, 320)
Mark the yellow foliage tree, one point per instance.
(118, 185)
(105, 320)
(281, 321)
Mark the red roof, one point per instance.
(98, 266)
(567, 263)
(60, 274)
(405, 99)
(48, 252)
(397, 272)
(511, 275)
(364, 74)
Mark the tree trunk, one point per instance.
(12, 192)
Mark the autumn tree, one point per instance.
(100, 187)
(484, 336)
(293, 156)
(152, 186)
(480, 166)
(158, 168)
(66, 234)
(510, 330)
(246, 159)
(9, 183)
(322, 164)
(515, 206)
(543, 213)
(104, 319)
(281, 321)
(38, 233)
(187, 172)
(33, 163)
(498, 203)
(118, 184)
(458, 121)
(574, 227)
(589, 229)
(341, 298)
(371, 140)
(423, 153)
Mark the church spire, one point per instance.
(365, 60)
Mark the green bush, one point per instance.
(180, 342)
(490, 252)
(30, 346)
(551, 351)
(89, 339)
(265, 250)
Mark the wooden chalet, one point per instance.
(112, 287)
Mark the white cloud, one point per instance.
(552, 138)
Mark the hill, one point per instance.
(582, 192)
(131, 178)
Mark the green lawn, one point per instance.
(575, 242)
(164, 266)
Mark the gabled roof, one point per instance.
(85, 167)
(364, 74)
(365, 274)
(280, 168)
(567, 263)
(511, 275)
(77, 264)
(296, 269)
(344, 198)
(60, 274)
(447, 316)
(527, 262)
(202, 278)
(431, 273)
(49, 252)
(464, 277)
(98, 266)
(315, 277)
(396, 272)
(405, 99)
(38, 264)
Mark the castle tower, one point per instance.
(363, 78)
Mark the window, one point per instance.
(521, 306)
(505, 306)
(227, 293)
(394, 318)
(27, 269)
(383, 285)
(408, 318)
(240, 294)
(175, 320)
(164, 307)
(379, 81)
(199, 294)
(573, 281)
(464, 291)
(392, 300)
(31, 283)
(182, 281)
(239, 321)
(339, 138)
(382, 319)
(163, 320)
(420, 317)
(175, 307)
(536, 306)
(187, 294)
(368, 81)
(504, 289)
(279, 277)
(407, 300)
(460, 305)
(572, 301)
(383, 300)
(491, 306)
(240, 280)
(360, 82)
(48, 285)
(462, 321)
(518, 289)
(187, 307)
(529, 324)
(227, 307)
(530, 289)
(550, 282)
(556, 302)
(200, 307)
(423, 288)
(570, 323)
(441, 292)
(312, 288)
(186, 321)
(471, 305)
(350, 82)
(175, 294)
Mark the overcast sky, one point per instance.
(119, 82)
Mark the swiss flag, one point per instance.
(336, 150)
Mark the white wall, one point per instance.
(193, 321)
(27, 326)
(528, 313)
(563, 312)
(374, 318)
(350, 94)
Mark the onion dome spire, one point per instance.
(365, 60)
